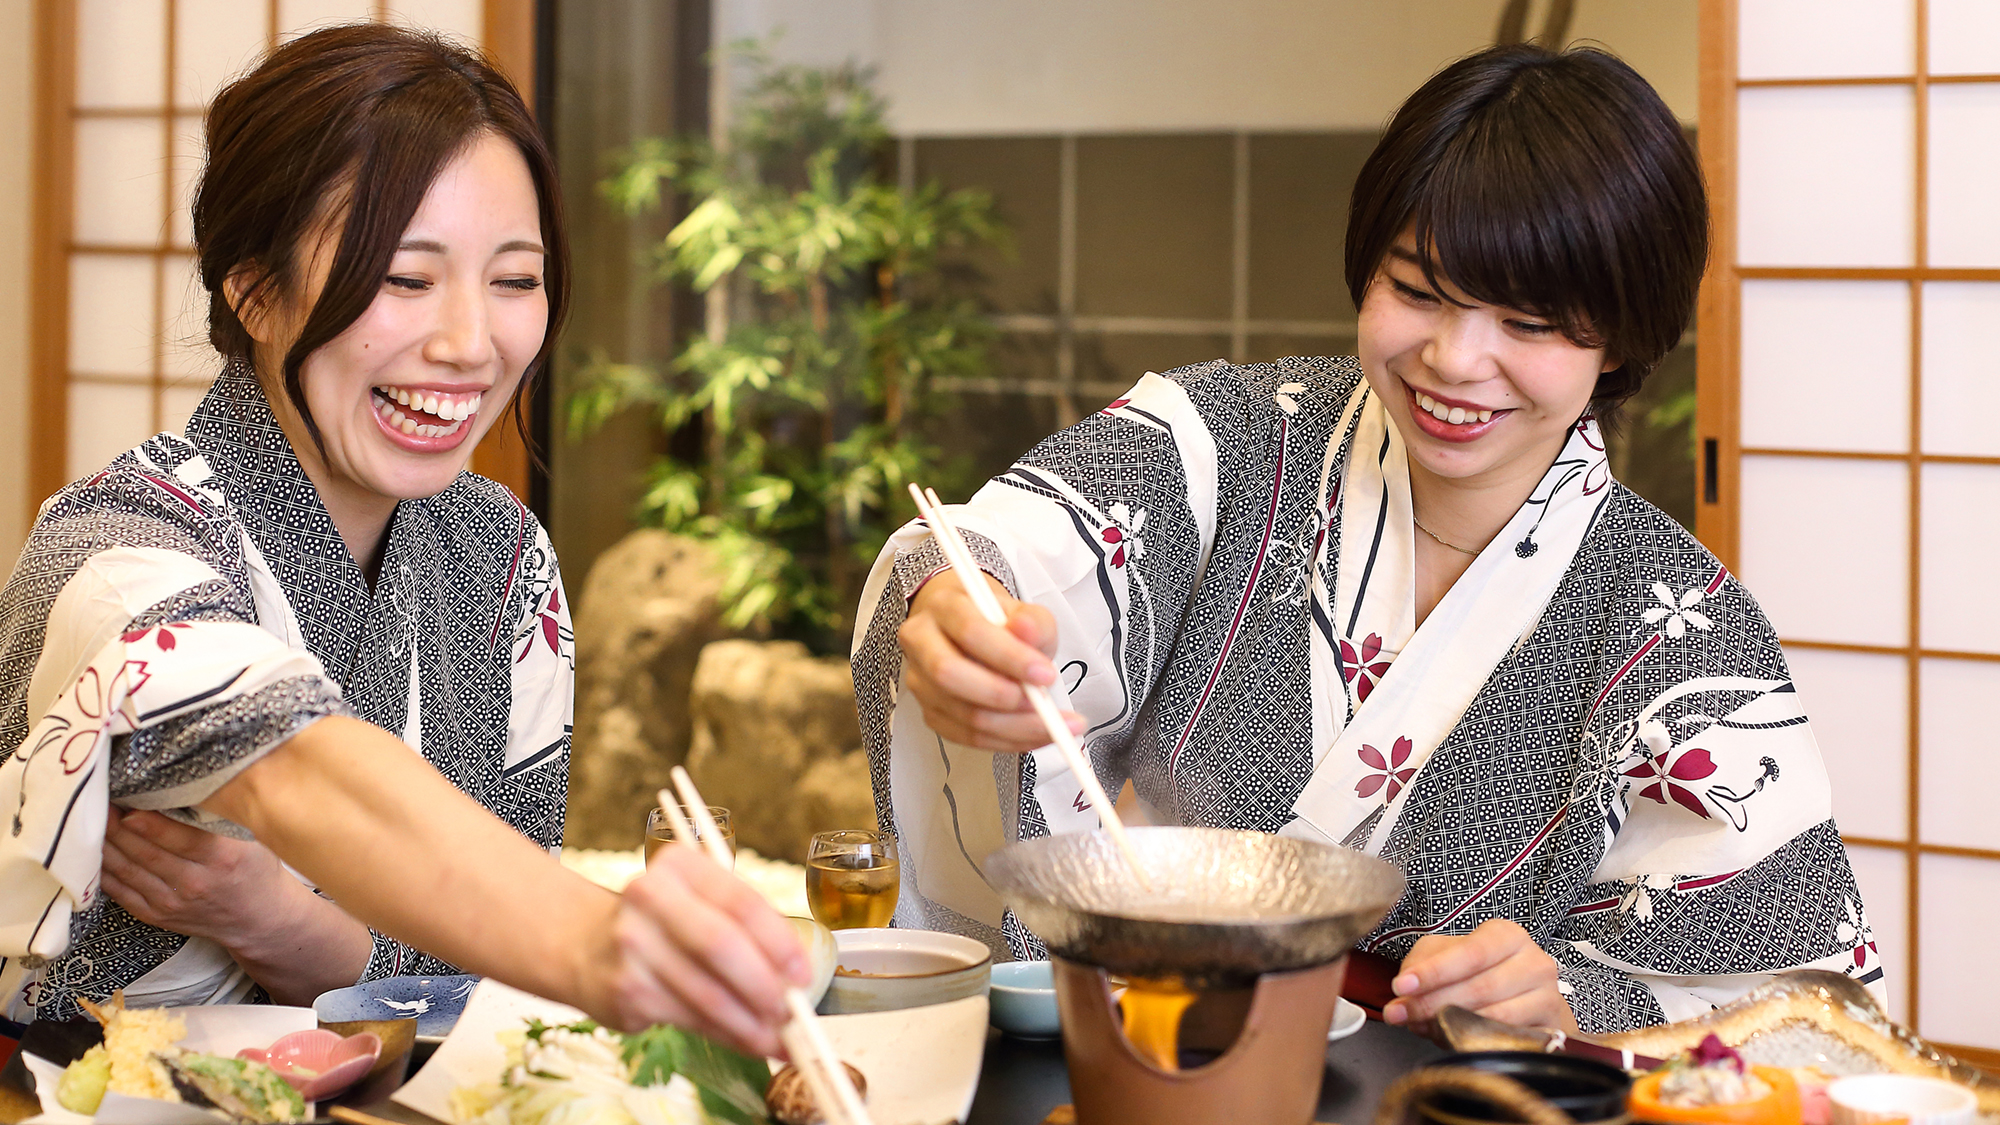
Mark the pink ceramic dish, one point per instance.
(318, 1063)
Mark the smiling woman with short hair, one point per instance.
(1396, 601)
(304, 621)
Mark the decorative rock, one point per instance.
(648, 608)
(776, 742)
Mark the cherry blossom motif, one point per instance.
(1113, 405)
(1678, 615)
(1392, 771)
(1123, 534)
(161, 637)
(1664, 772)
(1855, 930)
(1284, 398)
(1361, 670)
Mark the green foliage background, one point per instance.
(841, 317)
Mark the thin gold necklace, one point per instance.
(1441, 539)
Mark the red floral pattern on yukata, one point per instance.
(1124, 533)
(1392, 772)
(551, 625)
(1688, 765)
(1361, 669)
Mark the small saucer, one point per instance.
(1347, 1019)
(318, 1063)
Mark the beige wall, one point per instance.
(16, 197)
(956, 67)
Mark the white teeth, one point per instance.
(396, 417)
(1440, 411)
(1486, 415)
(431, 403)
(1456, 416)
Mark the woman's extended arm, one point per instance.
(399, 847)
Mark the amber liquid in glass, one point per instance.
(654, 842)
(849, 892)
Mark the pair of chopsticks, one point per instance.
(824, 1073)
(955, 551)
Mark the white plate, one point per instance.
(922, 1064)
(1347, 1019)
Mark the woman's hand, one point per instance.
(697, 947)
(967, 672)
(189, 880)
(1496, 970)
(236, 894)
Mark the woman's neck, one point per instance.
(1458, 516)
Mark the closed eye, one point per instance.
(522, 284)
(1413, 294)
(406, 283)
(1531, 327)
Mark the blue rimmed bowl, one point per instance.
(436, 1002)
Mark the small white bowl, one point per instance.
(1866, 1098)
(883, 970)
(1024, 1000)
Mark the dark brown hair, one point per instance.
(1554, 183)
(363, 116)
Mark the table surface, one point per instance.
(1022, 1081)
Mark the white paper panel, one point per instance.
(1826, 365)
(1859, 706)
(185, 351)
(296, 17)
(185, 166)
(215, 40)
(1825, 175)
(1884, 879)
(1965, 165)
(1824, 546)
(121, 167)
(121, 53)
(1960, 769)
(1961, 538)
(1965, 37)
(1961, 366)
(177, 403)
(1825, 38)
(464, 19)
(106, 419)
(111, 314)
(1958, 914)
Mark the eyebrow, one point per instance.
(425, 246)
(1402, 255)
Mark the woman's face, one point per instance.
(405, 393)
(1481, 394)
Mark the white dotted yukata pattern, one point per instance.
(469, 604)
(1628, 775)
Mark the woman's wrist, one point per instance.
(301, 946)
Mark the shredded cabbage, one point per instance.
(569, 1076)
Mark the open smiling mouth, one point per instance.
(426, 414)
(1449, 422)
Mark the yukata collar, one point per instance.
(269, 493)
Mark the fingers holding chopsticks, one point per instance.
(705, 951)
(968, 673)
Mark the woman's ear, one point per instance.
(1612, 362)
(249, 291)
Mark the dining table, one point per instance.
(1021, 1080)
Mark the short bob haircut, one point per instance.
(1558, 184)
(363, 117)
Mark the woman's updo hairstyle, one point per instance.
(363, 117)
(1554, 183)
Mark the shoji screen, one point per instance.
(1847, 345)
(121, 350)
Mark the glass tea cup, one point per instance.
(660, 829)
(852, 877)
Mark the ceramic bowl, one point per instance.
(1023, 1000)
(435, 1001)
(1867, 1098)
(887, 970)
(318, 1063)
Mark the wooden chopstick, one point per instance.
(804, 1037)
(1043, 699)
